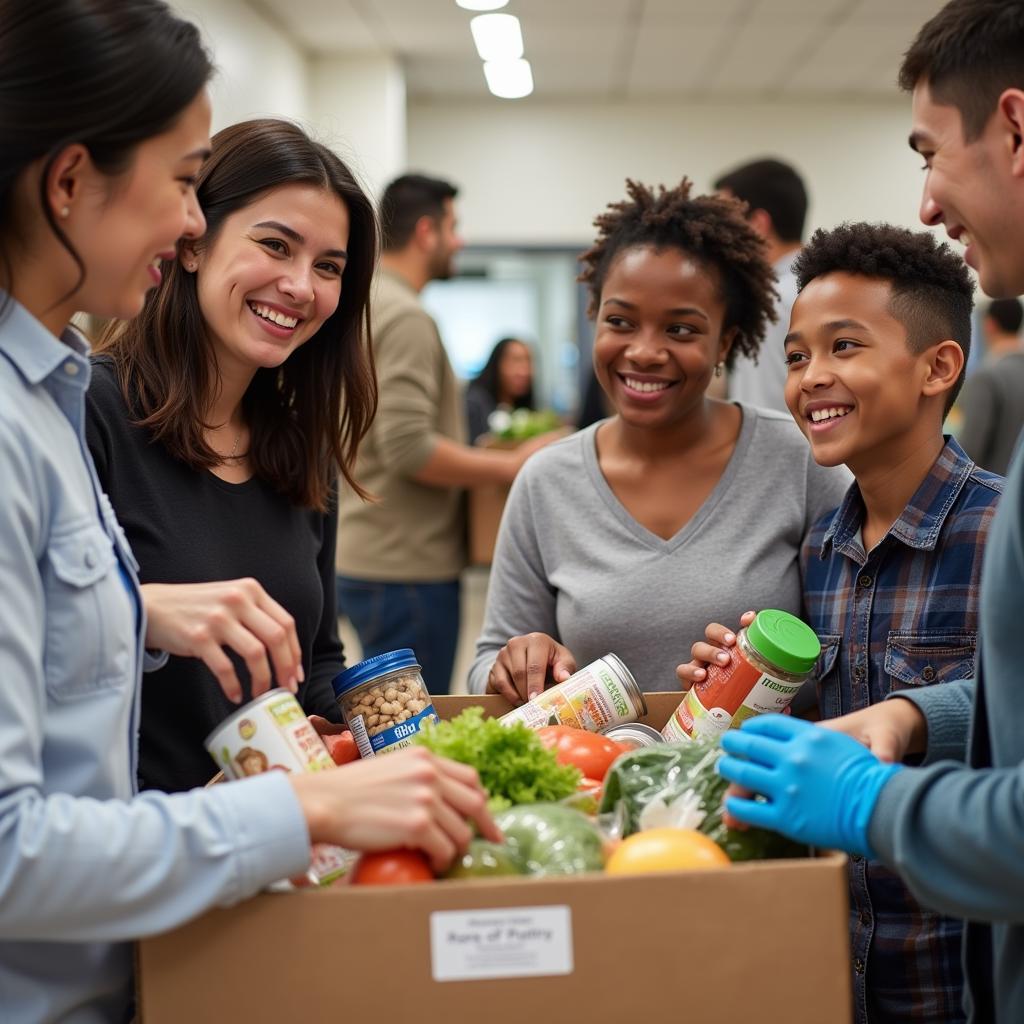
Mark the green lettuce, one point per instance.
(513, 765)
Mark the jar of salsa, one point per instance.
(772, 659)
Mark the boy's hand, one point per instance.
(717, 639)
(820, 786)
(890, 730)
(520, 671)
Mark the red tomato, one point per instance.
(392, 867)
(342, 747)
(592, 754)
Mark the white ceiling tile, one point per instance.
(673, 62)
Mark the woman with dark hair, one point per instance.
(220, 417)
(505, 382)
(689, 503)
(104, 124)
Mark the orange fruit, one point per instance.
(666, 849)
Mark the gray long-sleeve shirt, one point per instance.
(954, 832)
(571, 562)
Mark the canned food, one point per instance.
(634, 735)
(602, 694)
(772, 659)
(273, 733)
(384, 701)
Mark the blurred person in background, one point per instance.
(505, 382)
(992, 404)
(776, 199)
(399, 557)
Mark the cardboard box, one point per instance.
(486, 504)
(761, 942)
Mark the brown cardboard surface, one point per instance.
(486, 504)
(764, 942)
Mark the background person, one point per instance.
(776, 199)
(97, 164)
(505, 382)
(220, 417)
(399, 557)
(622, 536)
(992, 403)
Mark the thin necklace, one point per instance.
(234, 447)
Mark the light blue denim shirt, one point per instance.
(85, 864)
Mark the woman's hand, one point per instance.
(198, 620)
(718, 638)
(520, 671)
(410, 798)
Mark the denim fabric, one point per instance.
(423, 616)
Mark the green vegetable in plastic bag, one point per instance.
(551, 839)
(484, 859)
(685, 774)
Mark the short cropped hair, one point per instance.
(776, 188)
(405, 201)
(1007, 313)
(932, 291)
(969, 54)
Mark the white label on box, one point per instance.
(512, 942)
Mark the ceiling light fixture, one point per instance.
(482, 5)
(509, 79)
(498, 37)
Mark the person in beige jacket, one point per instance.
(399, 557)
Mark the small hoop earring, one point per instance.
(718, 369)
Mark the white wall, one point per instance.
(533, 172)
(357, 107)
(260, 72)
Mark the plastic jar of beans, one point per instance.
(384, 701)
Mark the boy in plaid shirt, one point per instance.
(876, 348)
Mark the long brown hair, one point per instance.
(306, 417)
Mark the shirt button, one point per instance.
(927, 673)
(858, 672)
(90, 560)
(71, 369)
(858, 965)
(865, 581)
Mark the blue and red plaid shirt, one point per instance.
(903, 615)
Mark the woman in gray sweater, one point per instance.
(627, 536)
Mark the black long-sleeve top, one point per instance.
(186, 526)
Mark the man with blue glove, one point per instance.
(953, 832)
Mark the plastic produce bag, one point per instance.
(551, 839)
(678, 785)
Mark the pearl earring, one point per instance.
(718, 369)
(65, 211)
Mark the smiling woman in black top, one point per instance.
(220, 418)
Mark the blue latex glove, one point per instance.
(820, 786)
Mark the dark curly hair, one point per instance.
(711, 229)
(932, 291)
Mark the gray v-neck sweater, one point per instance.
(573, 563)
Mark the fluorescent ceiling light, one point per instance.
(509, 79)
(481, 5)
(498, 37)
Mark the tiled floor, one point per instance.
(474, 592)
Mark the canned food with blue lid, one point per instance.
(384, 700)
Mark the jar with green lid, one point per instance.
(772, 659)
